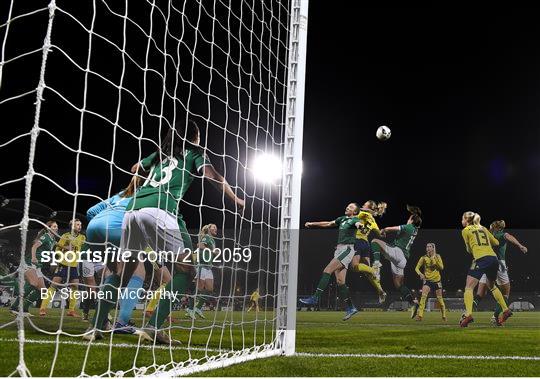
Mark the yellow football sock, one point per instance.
(362, 267)
(443, 306)
(422, 305)
(375, 283)
(72, 300)
(50, 293)
(468, 298)
(496, 292)
(155, 299)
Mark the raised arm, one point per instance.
(320, 224)
(513, 240)
(391, 229)
(221, 184)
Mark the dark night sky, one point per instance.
(460, 90)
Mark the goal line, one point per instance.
(424, 356)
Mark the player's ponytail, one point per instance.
(376, 209)
(416, 215)
(45, 230)
(380, 209)
(498, 225)
(130, 190)
(472, 218)
(183, 135)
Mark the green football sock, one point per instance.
(16, 292)
(344, 294)
(202, 298)
(376, 249)
(406, 294)
(176, 286)
(107, 301)
(30, 297)
(323, 283)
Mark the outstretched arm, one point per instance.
(221, 184)
(390, 229)
(321, 224)
(512, 239)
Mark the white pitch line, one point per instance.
(115, 345)
(418, 356)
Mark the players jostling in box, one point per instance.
(34, 278)
(67, 271)
(398, 252)
(153, 219)
(497, 228)
(362, 247)
(479, 243)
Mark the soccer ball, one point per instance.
(383, 133)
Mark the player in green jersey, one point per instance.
(399, 251)
(343, 256)
(153, 219)
(204, 276)
(34, 282)
(503, 280)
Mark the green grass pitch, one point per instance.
(317, 332)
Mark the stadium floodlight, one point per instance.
(99, 86)
(267, 168)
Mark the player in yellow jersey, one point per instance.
(361, 260)
(478, 241)
(68, 269)
(254, 300)
(432, 264)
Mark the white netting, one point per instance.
(88, 88)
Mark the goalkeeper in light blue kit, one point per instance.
(105, 230)
(153, 219)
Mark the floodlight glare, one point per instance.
(267, 168)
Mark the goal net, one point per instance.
(90, 88)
